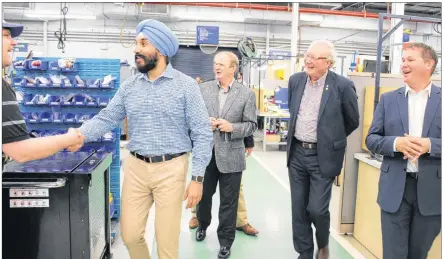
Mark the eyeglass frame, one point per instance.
(309, 57)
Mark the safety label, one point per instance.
(29, 203)
(19, 192)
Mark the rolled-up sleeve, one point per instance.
(200, 129)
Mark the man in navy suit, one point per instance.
(323, 112)
(406, 130)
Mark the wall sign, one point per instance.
(207, 35)
(21, 47)
(279, 54)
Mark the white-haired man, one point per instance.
(323, 112)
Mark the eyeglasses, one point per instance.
(221, 65)
(311, 57)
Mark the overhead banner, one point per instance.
(207, 35)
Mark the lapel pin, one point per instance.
(326, 88)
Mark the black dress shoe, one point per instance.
(224, 252)
(200, 234)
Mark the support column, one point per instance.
(45, 38)
(267, 41)
(396, 39)
(294, 36)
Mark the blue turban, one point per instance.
(159, 35)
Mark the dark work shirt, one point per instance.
(13, 125)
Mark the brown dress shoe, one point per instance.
(248, 229)
(323, 253)
(194, 223)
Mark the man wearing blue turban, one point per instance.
(167, 119)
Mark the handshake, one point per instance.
(76, 139)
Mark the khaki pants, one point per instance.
(144, 184)
(241, 209)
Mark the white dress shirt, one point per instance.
(417, 102)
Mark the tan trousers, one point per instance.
(144, 184)
(241, 209)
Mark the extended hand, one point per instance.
(224, 125)
(249, 151)
(193, 193)
(77, 139)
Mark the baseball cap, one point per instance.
(14, 28)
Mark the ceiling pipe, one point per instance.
(266, 7)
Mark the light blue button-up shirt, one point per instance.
(165, 116)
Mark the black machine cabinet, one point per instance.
(57, 208)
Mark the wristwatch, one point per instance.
(198, 179)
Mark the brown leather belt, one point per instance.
(157, 159)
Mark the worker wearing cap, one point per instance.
(167, 119)
(16, 143)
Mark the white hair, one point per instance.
(329, 46)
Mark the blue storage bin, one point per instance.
(33, 117)
(38, 98)
(81, 118)
(110, 85)
(92, 103)
(53, 66)
(54, 100)
(47, 133)
(58, 85)
(17, 82)
(111, 138)
(57, 117)
(103, 101)
(72, 83)
(79, 85)
(90, 83)
(45, 117)
(69, 118)
(79, 100)
(32, 65)
(74, 68)
(19, 67)
(65, 102)
(25, 83)
(38, 83)
(28, 99)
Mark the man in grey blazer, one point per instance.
(406, 130)
(323, 112)
(232, 111)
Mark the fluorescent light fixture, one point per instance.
(348, 27)
(201, 16)
(58, 16)
(311, 17)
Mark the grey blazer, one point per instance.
(240, 110)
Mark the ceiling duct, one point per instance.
(156, 10)
(19, 5)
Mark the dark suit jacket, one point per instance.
(391, 120)
(338, 118)
(249, 142)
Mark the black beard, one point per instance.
(150, 63)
